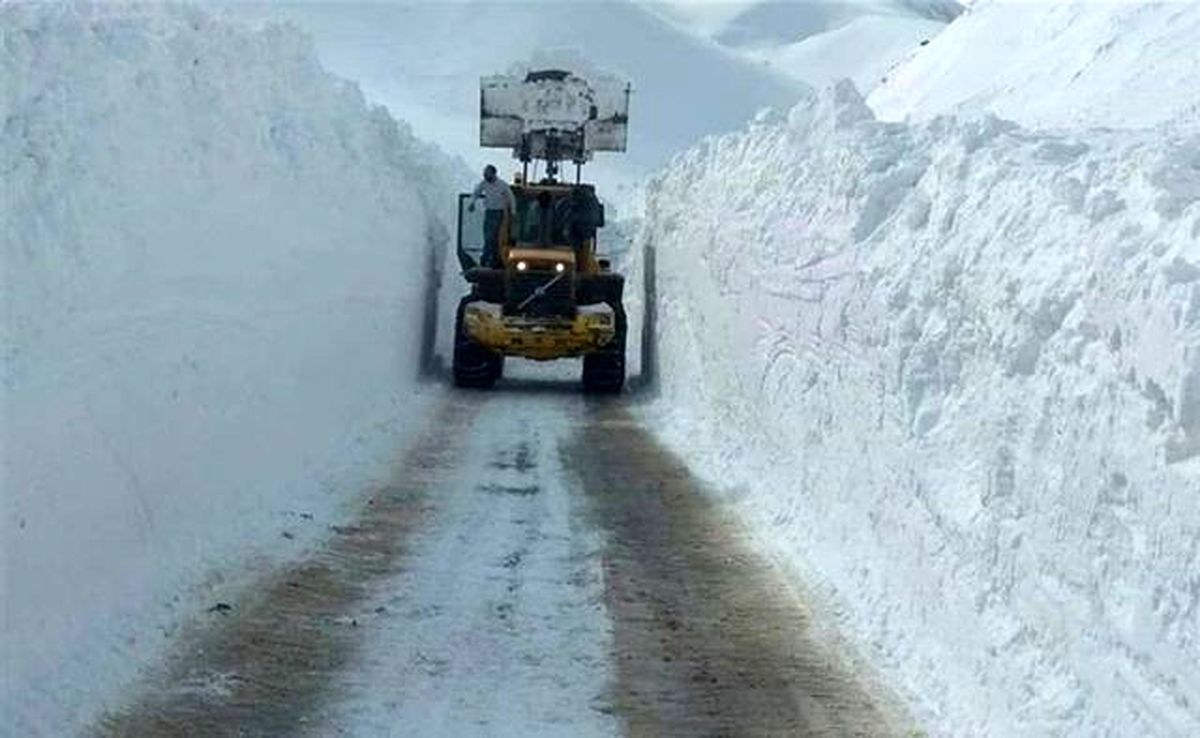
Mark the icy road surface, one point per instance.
(540, 565)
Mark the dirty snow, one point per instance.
(953, 372)
(498, 626)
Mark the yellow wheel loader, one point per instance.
(546, 294)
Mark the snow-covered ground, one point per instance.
(816, 41)
(214, 258)
(952, 370)
(864, 50)
(1057, 64)
(506, 636)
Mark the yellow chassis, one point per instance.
(542, 339)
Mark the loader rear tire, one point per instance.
(604, 370)
(474, 366)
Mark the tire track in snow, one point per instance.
(266, 667)
(497, 627)
(486, 592)
(709, 640)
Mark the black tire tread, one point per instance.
(604, 370)
(474, 366)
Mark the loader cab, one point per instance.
(558, 216)
(538, 221)
(548, 216)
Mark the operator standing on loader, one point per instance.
(497, 198)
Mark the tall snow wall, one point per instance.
(214, 273)
(952, 372)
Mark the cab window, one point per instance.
(536, 222)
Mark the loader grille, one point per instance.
(557, 300)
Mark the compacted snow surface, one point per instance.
(498, 626)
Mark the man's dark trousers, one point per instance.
(491, 237)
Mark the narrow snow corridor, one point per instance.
(907, 294)
(538, 566)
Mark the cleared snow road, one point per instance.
(538, 566)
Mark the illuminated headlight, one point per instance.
(522, 266)
(560, 267)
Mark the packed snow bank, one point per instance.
(953, 370)
(214, 259)
(1057, 64)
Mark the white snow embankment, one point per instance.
(213, 271)
(953, 371)
(1056, 64)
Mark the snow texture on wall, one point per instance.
(953, 371)
(213, 266)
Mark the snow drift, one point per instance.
(953, 370)
(214, 257)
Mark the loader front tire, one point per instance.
(473, 366)
(604, 370)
